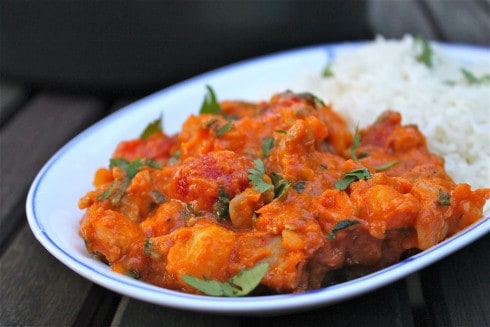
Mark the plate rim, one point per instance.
(255, 305)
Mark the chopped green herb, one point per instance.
(426, 53)
(148, 246)
(174, 158)
(386, 166)
(355, 144)
(255, 175)
(310, 97)
(281, 185)
(221, 206)
(118, 162)
(133, 274)
(299, 186)
(190, 211)
(239, 285)
(472, 79)
(444, 198)
(210, 104)
(323, 166)
(152, 128)
(327, 71)
(281, 131)
(224, 129)
(352, 176)
(267, 145)
(343, 224)
(116, 190)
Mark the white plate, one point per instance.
(54, 217)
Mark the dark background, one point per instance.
(133, 48)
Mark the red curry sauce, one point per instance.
(195, 211)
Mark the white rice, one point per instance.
(386, 75)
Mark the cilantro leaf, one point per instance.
(472, 79)
(352, 176)
(444, 198)
(267, 145)
(327, 71)
(225, 128)
(255, 176)
(426, 53)
(116, 190)
(310, 97)
(355, 144)
(221, 206)
(152, 128)
(239, 285)
(343, 224)
(281, 185)
(210, 104)
(386, 166)
(299, 186)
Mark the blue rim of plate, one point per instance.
(255, 305)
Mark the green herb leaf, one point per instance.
(118, 162)
(444, 198)
(327, 71)
(239, 285)
(224, 129)
(174, 158)
(148, 246)
(281, 185)
(352, 176)
(299, 186)
(355, 144)
(343, 224)
(210, 104)
(267, 145)
(116, 190)
(152, 128)
(310, 97)
(255, 175)
(386, 166)
(221, 206)
(472, 79)
(426, 53)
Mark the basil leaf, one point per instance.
(343, 224)
(239, 285)
(352, 176)
(255, 177)
(118, 162)
(310, 97)
(210, 104)
(267, 145)
(152, 128)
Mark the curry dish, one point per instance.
(280, 182)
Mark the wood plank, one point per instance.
(388, 306)
(35, 288)
(11, 96)
(393, 19)
(457, 289)
(29, 139)
(463, 21)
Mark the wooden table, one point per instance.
(37, 290)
